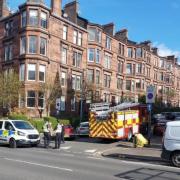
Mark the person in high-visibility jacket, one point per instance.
(58, 132)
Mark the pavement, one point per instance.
(125, 150)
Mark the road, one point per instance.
(76, 161)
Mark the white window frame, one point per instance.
(30, 67)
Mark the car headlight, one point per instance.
(21, 133)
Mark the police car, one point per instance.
(18, 132)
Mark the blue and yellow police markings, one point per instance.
(6, 133)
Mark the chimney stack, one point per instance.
(56, 7)
(4, 10)
(122, 35)
(71, 9)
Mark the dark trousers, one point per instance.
(58, 140)
(62, 137)
(46, 139)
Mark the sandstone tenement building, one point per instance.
(41, 43)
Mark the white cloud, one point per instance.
(163, 50)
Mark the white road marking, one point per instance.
(89, 157)
(90, 151)
(37, 164)
(66, 147)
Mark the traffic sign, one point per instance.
(150, 94)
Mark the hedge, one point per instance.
(14, 116)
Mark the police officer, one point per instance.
(46, 130)
(58, 136)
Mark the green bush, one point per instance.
(65, 121)
(38, 124)
(18, 116)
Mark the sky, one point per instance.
(155, 20)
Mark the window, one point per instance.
(43, 20)
(31, 72)
(143, 84)
(119, 83)
(162, 63)
(63, 79)
(128, 68)
(121, 49)
(76, 82)
(33, 17)
(42, 70)
(97, 77)
(149, 58)
(138, 84)
(139, 68)
(138, 52)
(108, 43)
(64, 55)
(161, 76)
(133, 86)
(43, 46)
(128, 85)
(65, 29)
(23, 45)
(21, 72)
(148, 72)
(75, 34)
(94, 35)
(73, 104)
(8, 126)
(8, 52)
(80, 39)
(98, 55)
(24, 19)
(62, 103)
(1, 123)
(31, 99)
(107, 61)
(41, 100)
(120, 67)
(91, 34)
(130, 52)
(21, 101)
(77, 58)
(32, 44)
(90, 75)
(8, 28)
(107, 80)
(91, 53)
(99, 36)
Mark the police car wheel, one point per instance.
(175, 159)
(12, 143)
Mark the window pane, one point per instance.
(31, 72)
(78, 82)
(65, 32)
(73, 104)
(43, 20)
(23, 45)
(63, 78)
(98, 56)
(43, 45)
(41, 100)
(130, 52)
(24, 21)
(31, 99)
(64, 55)
(42, 73)
(62, 106)
(79, 39)
(92, 34)
(97, 77)
(21, 72)
(32, 44)
(33, 17)
(91, 55)
(90, 75)
(75, 37)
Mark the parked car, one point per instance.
(159, 126)
(18, 132)
(83, 129)
(69, 131)
(171, 143)
(155, 118)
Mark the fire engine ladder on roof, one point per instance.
(104, 108)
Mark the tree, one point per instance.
(10, 90)
(51, 90)
(170, 95)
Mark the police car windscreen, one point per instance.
(22, 125)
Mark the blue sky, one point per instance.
(155, 20)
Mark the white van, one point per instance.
(18, 132)
(171, 143)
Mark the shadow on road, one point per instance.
(149, 174)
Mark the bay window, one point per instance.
(43, 46)
(32, 44)
(31, 69)
(33, 17)
(43, 20)
(31, 99)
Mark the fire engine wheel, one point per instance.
(129, 135)
(175, 159)
(12, 143)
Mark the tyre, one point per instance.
(12, 143)
(175, 159)
(129, 135)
